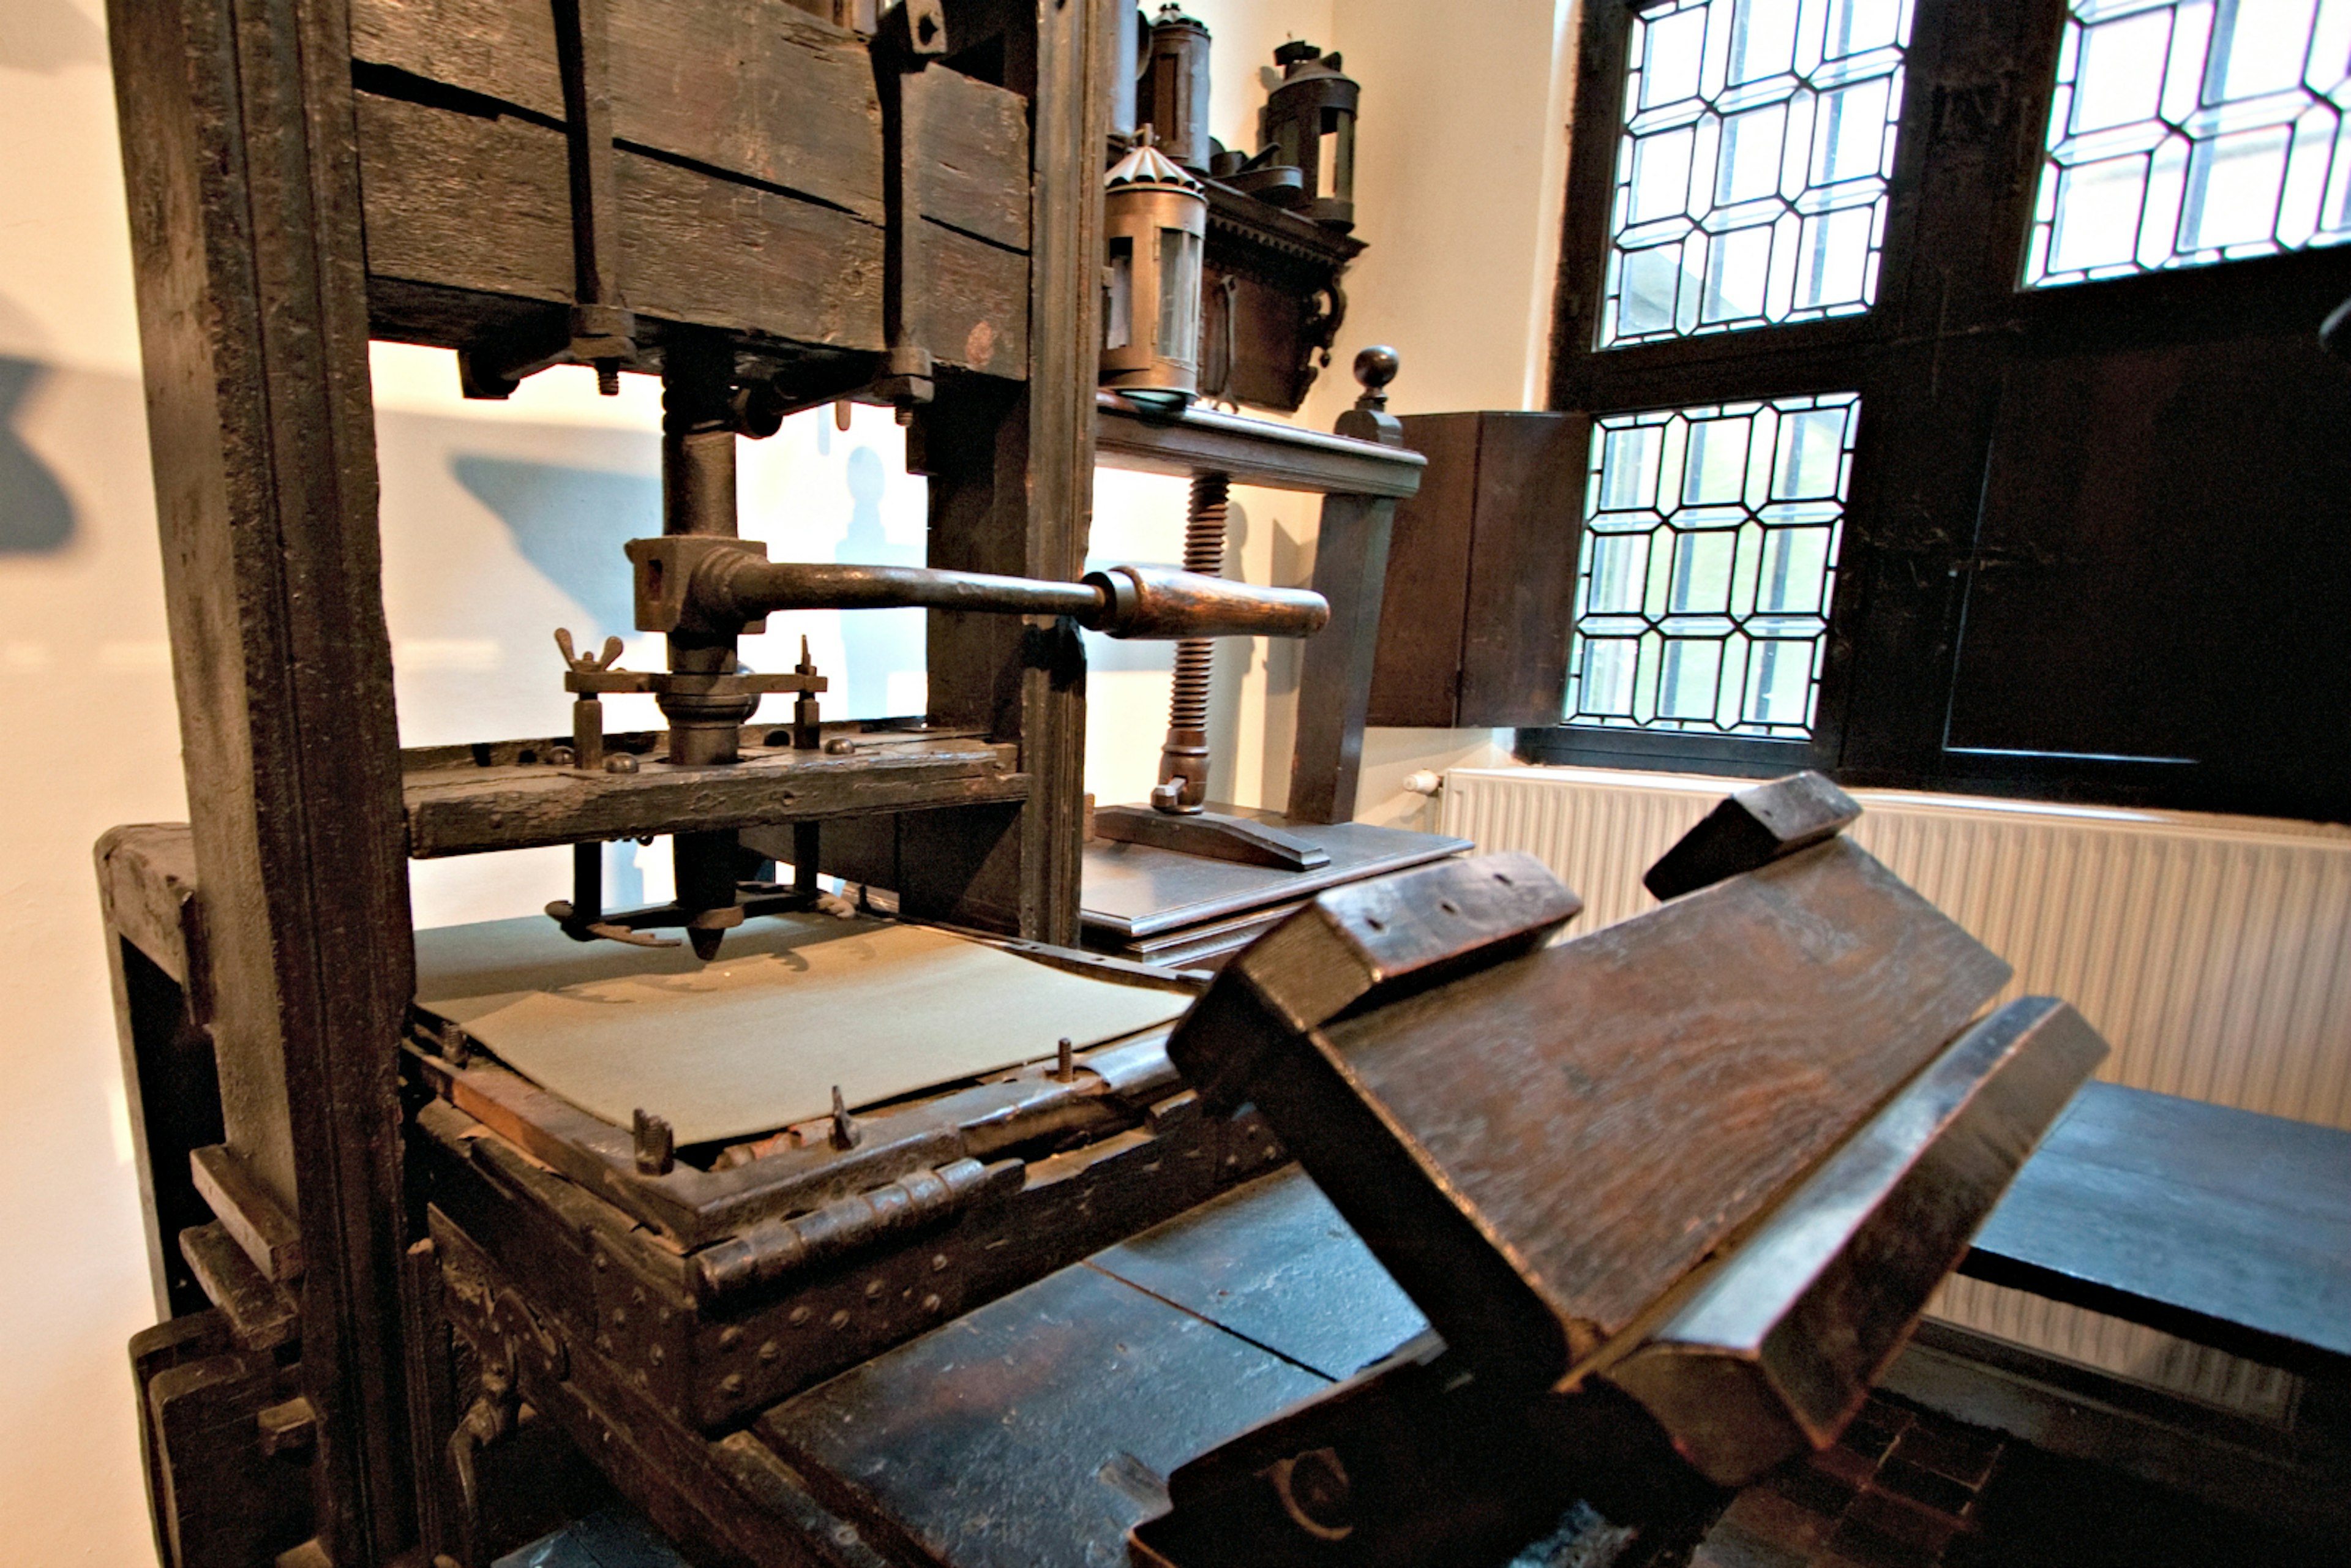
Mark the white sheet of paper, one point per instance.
(756, 1040)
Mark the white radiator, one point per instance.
(2213, 953)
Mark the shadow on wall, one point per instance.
(36, 518)
(47, 35)
(874, 642)
(570, 524)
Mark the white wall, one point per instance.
(1458, 149)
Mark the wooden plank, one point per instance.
(759, 91)
(1416, 671)
(1334, 676)
(503, 228)
(695, 248)
(467, 810)
(971, 165)
(2221, 1226)
(1520, 596)
(1036, 1431)
(1273, 1262)
(718, 254)
(1538, 1151)
(754, 88)
(974, 308)
(1251, 451)
(246, 1212)
(503, 49)
(261, 1315)
(1778, 1344)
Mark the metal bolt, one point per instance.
(731, 1384)
(930, 1303)
(769, 1351)
(872, 1290)
(620, 762)
(620, 1317)
(730, 1336)
(656, 1356)
(800, 1316)
(938, 1262)
(560, 756)
(839, 1320)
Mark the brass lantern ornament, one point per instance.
(1310, 122)
(1157, 217)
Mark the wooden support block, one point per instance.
(248, 1213)
(1358, 946)
(1539, 1150)
(147, 891)
(261, 1315)
(1753, 828)
(1777, 1347)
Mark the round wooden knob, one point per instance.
(1376, 367)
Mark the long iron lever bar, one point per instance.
(688, 583)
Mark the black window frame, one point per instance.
(1927, 360)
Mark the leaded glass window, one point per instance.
(2191, 131)
(1750, 180)
(1709, 554)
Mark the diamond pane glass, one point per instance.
(1750, 183)
(1708, 558)
(2184, 132)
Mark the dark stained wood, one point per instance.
(1662, 1081)
(1416, 671)
(1273, 1262)
(1334, 677)
(502, 50)
(1753, 828)
(201, 1421)
(239, 144)
(261, 1315)
(1522, 564)
(463, 809)
(973, 309)
(2217, 1225)
(793, 104)
(971, 166)
(1034, 1432)
(695, 248)
(1481, 572)
(1778, 1344)
(1251, 451)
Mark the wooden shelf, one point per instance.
(1252, 450)
(469, 799)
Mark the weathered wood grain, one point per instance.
(503, 49)
(1539, 1150)
(695, 248)
(467, 810)
(971, 166)
(756, 90)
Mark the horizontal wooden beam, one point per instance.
(1250, 451)
(459, 808)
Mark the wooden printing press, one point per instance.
(920, 1236)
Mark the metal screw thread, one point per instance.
(1204, 552)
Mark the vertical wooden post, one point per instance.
(1012, 479)
(241, 159)
(1351, 571)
